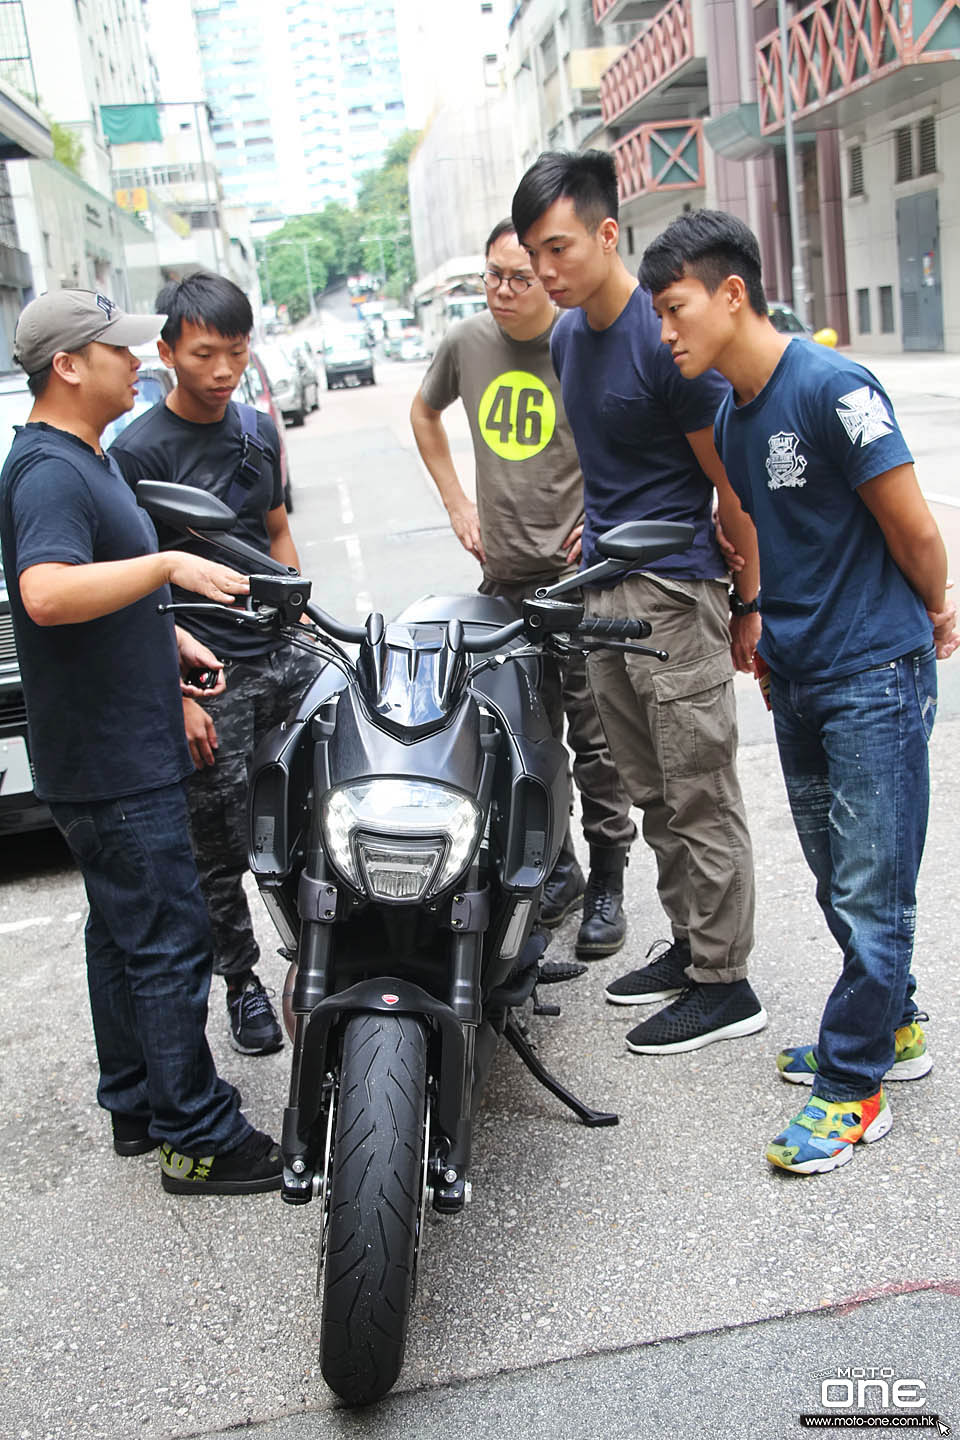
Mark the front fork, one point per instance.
(308, 984)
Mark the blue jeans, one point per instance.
(854, 757)
(148, 968)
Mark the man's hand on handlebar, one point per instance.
(205, 577)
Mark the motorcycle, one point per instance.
(403, 822)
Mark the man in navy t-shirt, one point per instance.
(645, 440)
(100, 668)
(853, 597)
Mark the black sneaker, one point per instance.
(254, 1027)
(663, 978)
(131, 1134)
(254, 1166)
(699, 1015)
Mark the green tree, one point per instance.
(67, 147)
(340, 241)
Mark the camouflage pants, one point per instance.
(565, 693)
(260, 693)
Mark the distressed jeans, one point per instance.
(854, 757)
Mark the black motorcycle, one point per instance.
(402, 824)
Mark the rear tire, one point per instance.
(373, 1225)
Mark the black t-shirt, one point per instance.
(159, 445)
(103, 696)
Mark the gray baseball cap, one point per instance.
(70, 319)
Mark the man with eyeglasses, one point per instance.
(525, 532)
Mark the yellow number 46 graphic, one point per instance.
(517, 415)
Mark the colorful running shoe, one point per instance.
(823, 1135)
(910, 1062)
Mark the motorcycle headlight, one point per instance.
(399, 839)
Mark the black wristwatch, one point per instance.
(740, 607)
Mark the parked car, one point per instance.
(788, 322)
(19, 808)
(412, 346)
(347, 357)
(292, 385)
(254, 389)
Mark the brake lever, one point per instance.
(585, 645)
(263, 617)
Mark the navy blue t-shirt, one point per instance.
(160, 445)
(832, 598)
(103, 696)
(630, 411)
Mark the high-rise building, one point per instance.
(306, 97)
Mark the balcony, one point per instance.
(848, 59)
(619, 12)
(659, 157)
(657, 72)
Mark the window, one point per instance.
(863, 312)
(887, 325)
(855, 162)
(903, 140)
(927, 145)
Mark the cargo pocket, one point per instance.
(696, 717)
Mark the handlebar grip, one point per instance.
(615, 629)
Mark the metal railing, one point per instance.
(664, 155)
(652, 57)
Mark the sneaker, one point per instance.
(254, 1027)
(699, 1015)
(823, 1135)
(663, 978)
(798, 1064)
(253, 1166)
(131, 1134)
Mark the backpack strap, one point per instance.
(252, 451)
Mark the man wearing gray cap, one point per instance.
(101, 674)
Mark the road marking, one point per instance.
(358, 574)
(346, 505)
(10, 927)
(935, 498)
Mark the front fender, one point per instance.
(384, 996)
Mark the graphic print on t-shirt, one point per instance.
(864, 416)
(785, 464)
(517, 415)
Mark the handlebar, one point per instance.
(615, 629)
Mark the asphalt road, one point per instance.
(657, 1279)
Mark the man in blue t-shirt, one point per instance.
(645, 440)
(101, 676)
(853, 596)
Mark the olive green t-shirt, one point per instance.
(529, 486)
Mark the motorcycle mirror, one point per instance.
(645, 540)
(183, 507)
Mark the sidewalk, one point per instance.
(128, 1312)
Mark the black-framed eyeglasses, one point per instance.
(519, 284)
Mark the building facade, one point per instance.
(305, 98)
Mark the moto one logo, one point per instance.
(856, 1386)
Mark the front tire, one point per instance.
(374, 1213)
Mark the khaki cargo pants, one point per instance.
(672, 731)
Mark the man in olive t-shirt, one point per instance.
(525, 531)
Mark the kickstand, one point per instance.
(516, 1037)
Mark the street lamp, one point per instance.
(368, 240)
(305, 247)
(798, 272)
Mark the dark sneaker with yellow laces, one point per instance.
(253, 1167)
(824, 1133)
(131, 1134)
(699, 1015)
(254, 1027)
